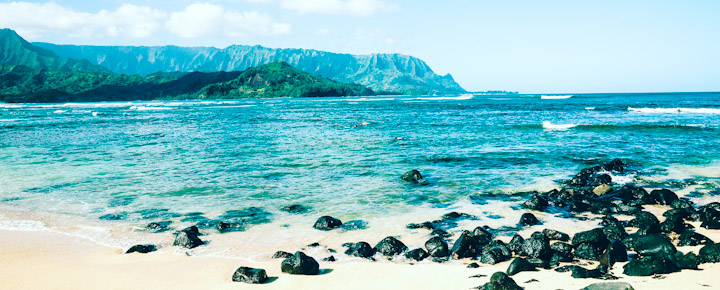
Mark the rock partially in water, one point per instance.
(361, 249)
(648, 266)
(143, 249)
(390, 246)
(554, 235)
(114, 216)
(281, 255)
(248, 216)
(537, 202)
(326, 223)
(354, 225)
(416, 254)
(609, 286)
(519, 265)
(188, 238)
(500, 281)
(158, 227)
(528, 219)
(710, 253)
(663, 196)
(300, 264)
(250, 275)
(437, 247)
(227, 227)
(413, 176)
(295, 209)
(616, 165)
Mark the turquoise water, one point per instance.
(145, 161)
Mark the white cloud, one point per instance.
(346, 7)
(33, 20)
(205, 19)
(322, 32)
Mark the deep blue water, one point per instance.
(338, 156)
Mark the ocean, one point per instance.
(115, 167)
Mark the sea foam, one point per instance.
(675, 110)
(559, 127)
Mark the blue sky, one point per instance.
(527, 46)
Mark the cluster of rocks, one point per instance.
(591, 190)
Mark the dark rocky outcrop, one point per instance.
(250, 275)
(655, 245)
(143, 249)
(390, 246)
(437, 247)
(537, 246)
(520, 265)
(691, 238)
(582, 273)
(361, 249)
(634, 193)
(554, 235)
(615, 252)
(188, 238)
(326, 223)
(516, 243)
(493, 255)
(300, 264)
(413, 176)
(537, 202)
(587, 252)
(528, 219)
(685, 261)
(416, 254)
(649, 265)
(158, 227)
(595, 237)
(500, 281)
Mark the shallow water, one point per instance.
(141, 162)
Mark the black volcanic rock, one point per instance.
(615, 252)
(556, 235)
(295, 209)
(188, 238)
(691, 238)
(685, 261)
(250, 275)
(710, 253)
(413, 176)
(437, 247)
(537, 246)
(143, 249)
(281, 255)
(655, 245)
(390, 246)
(516, 243)
(519, 265)
(326, 223)
(663, 196)
(361, 249)
(634, 193)
(650, 265)
(587, 252)
(500, 281)
(595, 237)
(300, 264)
(464, 246)
(528, 219)
(416, 254)
(536, 202)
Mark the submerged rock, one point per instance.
(437, 247)
(300, 264)
(650, 265)
(295, 209)
(250, 275)
(500, 281)
(520, 265)
(413, 176)
(390, 246)
(158, 227)
(143, 249)
(354, 225)
(326, 223)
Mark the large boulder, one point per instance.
(528, 219)
(500, 281)
(520, 265)
(188, 238)
(648, 266)
(634, 193)
(390, 246)
(250, 275)
(595, 237)
(691, 238)
(437, 247)
(493, 255)
(710, 253)
(516, 243)
(300, 264)
(326, 223)
(413, 176)
(685, 261)
(536, 202)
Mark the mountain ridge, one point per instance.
(381, 72)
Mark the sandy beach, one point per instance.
(52, 260)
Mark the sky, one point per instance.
(528, 46)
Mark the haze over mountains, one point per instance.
(380, 72)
